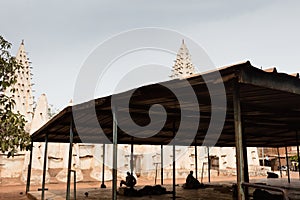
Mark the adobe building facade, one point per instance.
(87, 158)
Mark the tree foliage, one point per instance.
(294, 158)
(52, 111)
(13, 136)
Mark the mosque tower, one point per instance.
(23, 92)
(183, 66)
(221, 158)
(24, 104)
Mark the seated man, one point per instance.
(130, 181)
(191, 182)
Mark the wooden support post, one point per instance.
(131, 159)
(298, 160)
(74, 185)
(44, 167)
(208, 165)
(70, 161)
(196, 160)
(287, 165)
(279, 162)
(238, 142)
(115, 154)
(174, 164)
(103, 166)
(246, 172)
(29, 168)
(161, 165)
(263, 156)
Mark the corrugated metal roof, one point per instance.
(270, 104)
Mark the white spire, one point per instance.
(41, 115)
(183, 66)
(23, 91)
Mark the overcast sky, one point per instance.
(59, 35)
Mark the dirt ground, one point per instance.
(16, 190)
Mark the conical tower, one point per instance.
(41, 115)
(23, 90)
(183, 66)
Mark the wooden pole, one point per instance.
(202, 172)
(279, 162)
(208, 164)
(287, 164)
(29, 168)
(161, 164)
(115, 154)
(131, 159)
(238, 141)
(298, 160)
(70, 161)
(103, 166)
(155, 177)
(246, 172)
(174, 164)
(196, 159)
(44, 167)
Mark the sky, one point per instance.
(60, 35)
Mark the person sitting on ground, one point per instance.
(191, 182)
(130, 180)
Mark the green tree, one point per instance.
(52, 111)
(13, 136)
(294, 158)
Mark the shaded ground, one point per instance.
(221, 189)
(222, 193)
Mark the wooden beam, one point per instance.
(282, 82)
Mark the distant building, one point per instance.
(183, 66)
(34, 114)
(222, 159)
(87, 158)
(23, 94)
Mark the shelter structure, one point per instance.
(262, 109)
